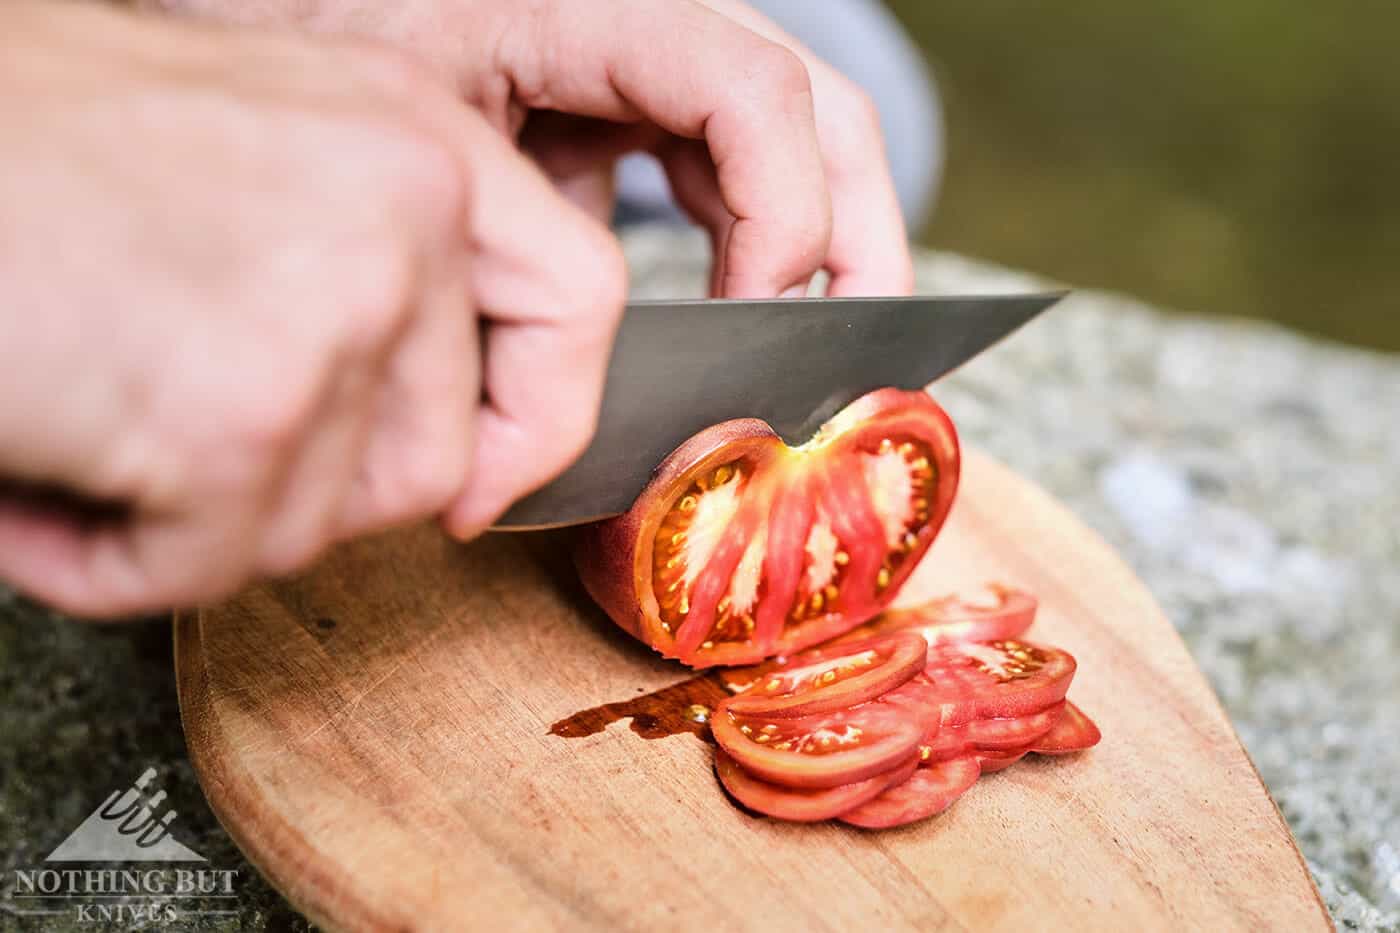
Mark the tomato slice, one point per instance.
(826, 750)
(1005, 612)
(741, 547)
(803, 805)
(823, 680)
(1001, 679)
(1011, 732)
(927, 792)
(1072, 732)
(991, 761)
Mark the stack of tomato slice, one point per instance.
(894, 721)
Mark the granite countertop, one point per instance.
(1248, 474)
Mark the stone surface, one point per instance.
(1249, 475)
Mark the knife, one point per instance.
(680, 366)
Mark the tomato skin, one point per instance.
(617, 558)
(1073, 732)
(607, 554)
(904, 656)
(799, 805)
(927, 792)
(893, 740)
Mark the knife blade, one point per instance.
(680, 366)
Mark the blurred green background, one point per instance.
(1238, 157)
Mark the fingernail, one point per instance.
(797, 291)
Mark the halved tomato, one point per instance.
(1011, 732)
(742, 547)
(818, 751)
(927, 792)
(803, 805)
(997, 679)
(1005, 612)
(1072, 732)
(823, 680)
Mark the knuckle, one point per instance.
(780, 69)
(375, 301)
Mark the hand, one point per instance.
(240, 280)
(776, 154)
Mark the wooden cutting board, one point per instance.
(375, 736)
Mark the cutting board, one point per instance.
(375, 735)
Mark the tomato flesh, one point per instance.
(927, 792)
(825, 680)
(826, 750)
(803, 805)
(1072, 732)
(743, 547)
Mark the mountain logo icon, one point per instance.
(126, 828)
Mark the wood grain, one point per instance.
(374, 735)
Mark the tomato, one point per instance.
(742, 547)
(990, 761)
(1011, 732)
(997, 679)
(1006, 613)
(824, 680)
(826, 750)
(928, 791)
(1072, 732)
(805, 805)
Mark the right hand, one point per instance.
(240, 281)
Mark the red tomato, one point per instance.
(927, 792)
(827, 679)
(1013, 732)
(1073, 732)
(742, 547)
(1006, 613)
(826, 750)
(997, 679)
(990, 761)
(803, 805)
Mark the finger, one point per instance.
(579, 154)
(549, 319)
(112, 569)
(695, 187)
(420, 435)
(869, 252)
(564, 144)
(700, 75)
(304, 515)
